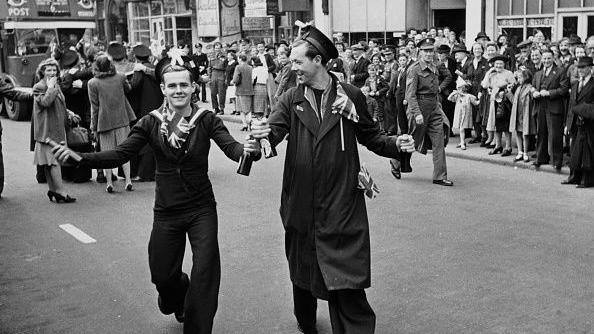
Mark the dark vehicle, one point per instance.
(30, 31)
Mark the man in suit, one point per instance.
(551, 86)
(390, 71)
(398, 90)
(580, 126)
(359, 71)
(443, 54)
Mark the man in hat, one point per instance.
(8, 91)
(359, 71)
(117, 52)
(427, 120)
(449, 63)
(144, 97)
(73, 83)
(325, 219)
(580, 126)
(523, 61)
(551, 86)
(482, 38)
(201, 61)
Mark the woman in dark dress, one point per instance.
(179, 133)
(475, 75)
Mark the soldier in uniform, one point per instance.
(426, 117)
(216, 73)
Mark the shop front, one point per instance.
(555, 18)
(158, 24)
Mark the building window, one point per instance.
(532, 7)
(503, 7)
(570, 3)
(518, 7)
(588, 3)
(548, 6)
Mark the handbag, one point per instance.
(77, 136)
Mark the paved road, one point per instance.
(504, 251)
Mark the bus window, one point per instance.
(33, 42)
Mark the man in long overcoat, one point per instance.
(580, 127)
(322, 210)
(551, 86)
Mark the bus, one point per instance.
(30, 31)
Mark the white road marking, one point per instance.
(77, 233)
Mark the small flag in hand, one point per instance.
(366, 183)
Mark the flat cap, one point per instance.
(585, 61)
(141, 50)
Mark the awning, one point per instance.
(48, 24)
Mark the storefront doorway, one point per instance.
(579, 23)
(453, 18)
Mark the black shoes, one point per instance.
(443, 182)
(129, 187)
(567, 182)
(59, 198)
(506, 152)
(475, 141)
(496, 150)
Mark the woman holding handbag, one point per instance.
(49, 117)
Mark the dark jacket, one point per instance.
(77, 99)
(229, 71)
(322, 211)
(476, 75)
(336, 65)
(557, 84)
(182, 182)
(576, 101)
(447, 82)
(145, 94)
(359, 70)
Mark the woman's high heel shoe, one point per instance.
(59, 198)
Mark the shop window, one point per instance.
(379, 36)
(156, 8)
(590, 25)
(358, 36)
(142, 37)
(518, 7)
(503, 7)
(570, 3)
(532, 7)
(183, 22)
(548, 6)
(169, 7)
(33, 42)
(169, 22)
(588, 3)
(517, 33)
(140, 9)
(169, 37)
(570, 25)
(545, 30)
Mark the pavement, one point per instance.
(473, 152)
(504, 251)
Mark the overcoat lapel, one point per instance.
(586, 90)
(330, 119)
(305, 112)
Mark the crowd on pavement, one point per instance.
(137, 110)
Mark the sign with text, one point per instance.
(256, 23)
(207, 15)
(255, 8)
(230, 18)
(294, 5)
(52, 7)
